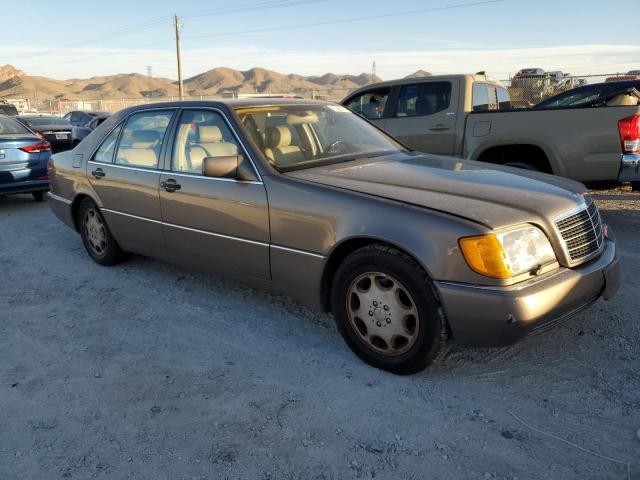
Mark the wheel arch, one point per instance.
(75, 205)
(343, 249)
(531, 153)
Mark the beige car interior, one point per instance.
(279, 148)
(143, 149)
(210, 142)
(623, 100)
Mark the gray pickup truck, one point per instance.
(470, 116)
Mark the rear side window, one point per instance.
(485, 97)
(370, 104)
(142, 137)
(504, 101)
(108, 146)
(8, 126)
(423, 99)
(6, 109)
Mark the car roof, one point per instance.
(230, 103)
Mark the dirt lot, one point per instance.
(148, 371)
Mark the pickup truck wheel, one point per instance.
(386, 310)
(96, 236)
(523, 165)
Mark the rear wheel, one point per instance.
(38, 196)
(96, 236)
(386, 310)
(635, 186)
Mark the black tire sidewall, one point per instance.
(38, 196)
(416, 281)
(112, 251)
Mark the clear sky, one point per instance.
(82, 38)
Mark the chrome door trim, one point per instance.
(53, 196)
(295, 250)
(218, 235)
(170, 173)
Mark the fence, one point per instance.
(525, 91)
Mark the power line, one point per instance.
(345, 20)
(159, 21)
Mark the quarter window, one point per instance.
(423, 99)
(141, 139)
(201, 134)
(370, 104)
(104, 153)
(504, 101)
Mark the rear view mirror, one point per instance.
(221, 167)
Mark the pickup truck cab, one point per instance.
(471, 116)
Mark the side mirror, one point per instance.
(232, 166)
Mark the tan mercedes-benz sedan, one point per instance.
(309, 199)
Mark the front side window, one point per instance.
(105, 152)
(142, 137)
(423, 99)
(293, 137)
(370, 104)
(201, 134)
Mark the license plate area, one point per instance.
(61, 136)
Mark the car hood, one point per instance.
(492, 195)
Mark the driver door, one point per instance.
(212, 223)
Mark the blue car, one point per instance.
(23, 160)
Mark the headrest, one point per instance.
(278, 137)
(306, 117)
(209, 134)
(144, 138)
(424, 106)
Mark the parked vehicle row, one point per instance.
(309, 199)
(470, 116)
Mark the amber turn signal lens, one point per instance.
(485, 255)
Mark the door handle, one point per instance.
(440, 127)
(171, 186)
(98, 173)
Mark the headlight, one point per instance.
(507, 254)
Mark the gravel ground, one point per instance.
(146, 370)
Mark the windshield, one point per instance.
(36, 121)
(578, 98)
(9, 126)
(293, 137)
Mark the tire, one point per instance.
(96, 236)
(635, 186)
(522, 165)
(38, 196)
(404, 327)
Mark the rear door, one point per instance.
(124, 172)
(212, 223)
(424, 117)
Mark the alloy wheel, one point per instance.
(95, 231)
(383, 313)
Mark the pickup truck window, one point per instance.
(423, 99)
(370, 104)
(504, 101)
(485, 97)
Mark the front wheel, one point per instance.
(96, 236)
(386, 310)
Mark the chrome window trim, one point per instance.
(231, 129)
(123, 122)
(219, 235)
(171, 173)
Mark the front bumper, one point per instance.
(629, 168)
(495, 316)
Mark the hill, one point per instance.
(16, 83)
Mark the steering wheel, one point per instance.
(333, 148)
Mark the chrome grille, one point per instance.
(582, 233)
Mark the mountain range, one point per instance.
(15, 83)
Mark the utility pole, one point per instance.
(149, 74)
(177, 26)
(373, 69)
